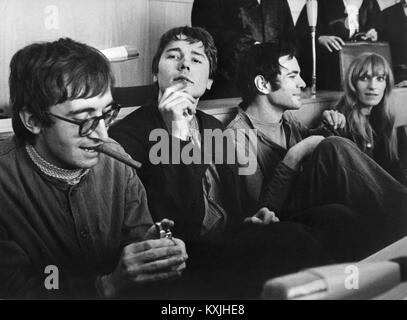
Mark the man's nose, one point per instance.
(100, 133)
(184, 64)
(301, 84)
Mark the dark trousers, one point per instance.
(338, 172)
(237, 266)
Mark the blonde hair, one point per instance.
(359, 126)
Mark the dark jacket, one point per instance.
(237, 24)
(175, 191)
(331, 21)
(394, 31)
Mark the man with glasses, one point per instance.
(87, 126)
(73, 222)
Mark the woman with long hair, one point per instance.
(369, 113)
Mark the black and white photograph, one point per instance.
(203, 153)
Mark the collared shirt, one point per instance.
(352, 11)
(270, 184)
(215, 215)
(273, 131)
(80, 228)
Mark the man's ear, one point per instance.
(209, 84)
(262, 85)
(155, 79)
(29, 121)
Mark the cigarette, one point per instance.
(106, 149)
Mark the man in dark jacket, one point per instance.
(394, 30)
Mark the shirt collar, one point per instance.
(71, 177)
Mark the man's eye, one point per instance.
(81, 117)
(107, 110)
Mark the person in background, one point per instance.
(298, 168)
(236, 25)
(393, 30)
(338, 21)
(370, 117)
(74, 223)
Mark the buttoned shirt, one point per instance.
(80, 229)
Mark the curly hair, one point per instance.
(260, 59)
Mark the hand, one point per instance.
(146, 261)
(302, 149)
(331, 42)
(177, 109)
(371, 35)
(263, 216)
(334, 118)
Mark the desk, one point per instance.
(397, 249)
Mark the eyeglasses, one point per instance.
(87, 126)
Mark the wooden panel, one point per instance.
(164, 15)
(225, 109)
(99, 23)
(400, 98)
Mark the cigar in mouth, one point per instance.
(106, 149)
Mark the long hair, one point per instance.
(382, 117)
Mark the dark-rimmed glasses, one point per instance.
(87, 126)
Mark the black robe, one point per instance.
(235, 26)
(331, 21)
(394, 31)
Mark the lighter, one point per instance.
(163, 233)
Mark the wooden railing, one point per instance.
(225, 109)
